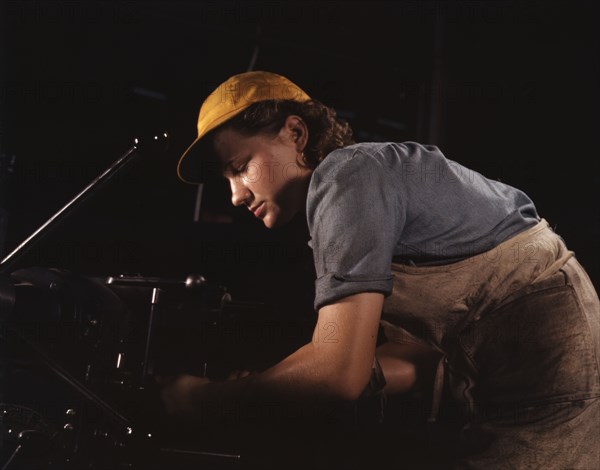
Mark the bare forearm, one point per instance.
(301, 377)
(334, 367)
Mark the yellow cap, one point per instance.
(229, 99)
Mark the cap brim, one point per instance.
(185, 167)
(197, 164)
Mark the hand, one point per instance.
(238, 374)
(181, 394)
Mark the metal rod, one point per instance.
(198, 204)
(71, 380)
(130, 155)
(11, 458)
(52, 222)
(216, 455)
(148, 365)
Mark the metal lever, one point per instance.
(193, 281)
(156, 141)
(29, 438)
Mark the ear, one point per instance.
(295, 132)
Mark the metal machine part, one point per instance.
(64, 353)
(84, 351)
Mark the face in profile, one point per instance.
(265, 172)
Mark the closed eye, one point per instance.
(240, 169)
(237, 171)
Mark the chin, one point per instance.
(275, 220)
(272, 222)
(269, 224)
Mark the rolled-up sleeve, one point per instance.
(353, 215)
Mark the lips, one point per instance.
(258, 209)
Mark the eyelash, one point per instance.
(236, 171)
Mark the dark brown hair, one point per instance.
(326, 132)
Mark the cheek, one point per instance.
(254, 173)
(268, 181)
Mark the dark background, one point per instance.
(507, 88)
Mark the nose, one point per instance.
(240, 194)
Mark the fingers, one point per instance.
(238, 374)
(180, 394)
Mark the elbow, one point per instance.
(350, 394)
(348, 379)
(348, 387)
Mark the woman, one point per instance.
(455, 267)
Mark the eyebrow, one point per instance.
(230, 162)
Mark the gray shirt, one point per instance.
(371, 203)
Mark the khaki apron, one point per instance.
(518, 332)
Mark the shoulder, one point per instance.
(348, 159)
(349, 174)
(370, 157)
